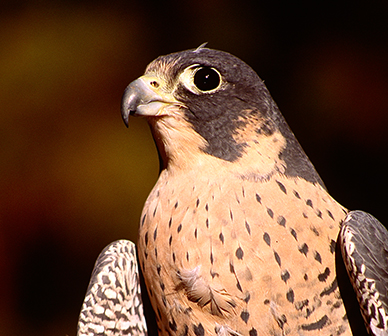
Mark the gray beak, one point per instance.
(141, 98)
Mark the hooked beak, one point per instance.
(142, 97)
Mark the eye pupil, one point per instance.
(206, 79)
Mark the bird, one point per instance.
(239, 235)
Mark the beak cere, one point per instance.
(141, 99)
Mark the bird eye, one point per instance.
(206, 79)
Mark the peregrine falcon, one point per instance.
(239, 236)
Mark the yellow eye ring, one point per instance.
(201, 79)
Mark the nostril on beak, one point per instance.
(155, 84)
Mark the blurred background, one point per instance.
(73, 178)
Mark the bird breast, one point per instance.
(208, 249)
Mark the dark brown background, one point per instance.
(73, 178)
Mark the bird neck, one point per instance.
(182, 151)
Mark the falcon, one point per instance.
(239, 236)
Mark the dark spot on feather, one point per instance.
(341, 330)
(305, 215)
(231, 303)
(211, 258)
(143, 219)
(146, 238)
(330, 289)
(239, 253)
(282, 187)
(221, 236)
(105, 280)
(145, 254)
(277, 258)
(176, 205)
(207, 222)
(170, 222)
(187, 256)
(314, 230)
(281, 221)
(267, 238)
(299, 305)
(305, 277)
(258, 198)
(266, 301)
(323, 276)
(296, 194)
(332, 246)
(293, 233)
(197, 203)
(248, 227)
(247, 297)
(337, 304)
(248, 274)
(173, 256)
(373, 313)
(207, 207)
(330, 214)
(317, 257)
(179, 228)
(239, 286)
(285, 275)
(162, 287)
(156, 252)
(198, 330)
(309, 202)
(155, 233)
(309, 312)
(154, 213)
(319, 213)
(172, 325)
(316, 325)
(185, 330)
(158, 269)
(290, 295)
(213, 274)
(195, 233)
(244, 316)
(281, 320)
(231, 215)
(231, 268)
(170, 240)
(304, 249)
(253, 332)
(270, 212)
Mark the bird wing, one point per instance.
(364, 246)
(113, 303)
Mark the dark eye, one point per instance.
(206, 79)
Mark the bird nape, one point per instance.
(239, 236)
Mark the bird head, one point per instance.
(205, 107)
